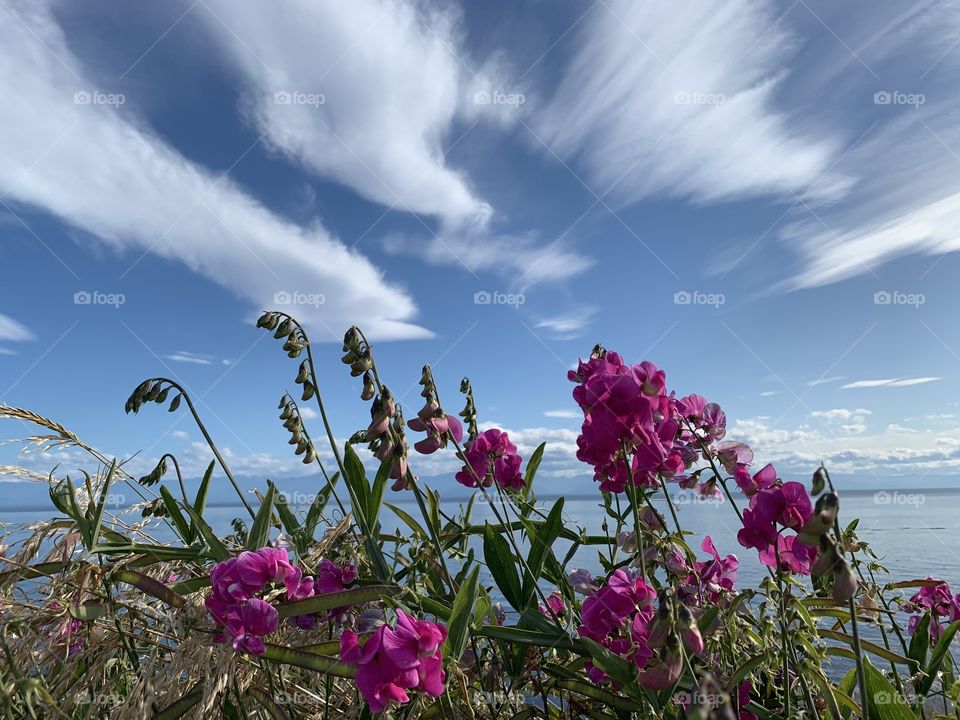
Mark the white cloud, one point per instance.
(825, 381)
(657, 101)
(192, 358)
(140, 195)
(889, 382)
(568, 326)
(372, 87)
(12, 331)
(308, 413)
(563, 414)
(518, 258)
(895, 450)
(839, 414)
(179, 435)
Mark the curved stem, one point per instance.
(210, 443)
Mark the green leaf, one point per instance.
(885, 702)
(200, 502)
(846, 686)
(329, 601)
(97, 520)
(88, 613)
(180, 707)
(499, 559)
(536, 638)
(936, 657)
(747, 667)
(913, 584)
(375, 501)
(308, 661)
(357, 486)
(533, 464)
(181, 525)
(151, 586)
(592, 691)
(920, 642)
(409, 520)
(461, 616)
(620, 670)
(259, 534)
(269, 704)
(878, 650)
(216, 548)
(289, 521)
(540, 542)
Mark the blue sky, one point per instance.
(761, 197)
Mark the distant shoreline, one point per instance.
(860, 492)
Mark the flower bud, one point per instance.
(368, 387)
(844, 582)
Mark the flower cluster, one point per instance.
(236, 583)
(393, 660)
(492, 457)
(620, 616)
(632, 426)
(936, 600)
(432, 420)
(775, 506)
(710, 581)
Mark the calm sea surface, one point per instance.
(916, 533)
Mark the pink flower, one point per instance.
(252, 620)
(710, 579)
(555, 604)
(795, 557)
(730, 454)
(937, 600)
(439, 430)
(606, 610)
(764, 478)
(788, 505)
(394, 660)
(492, 457)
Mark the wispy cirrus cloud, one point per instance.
(363, 92)
(12, 331)
(683, 104)
(889, 382)
(141, 196)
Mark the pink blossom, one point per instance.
(439, 430)
(764, 478)
(492, 457)
(251, 621)
(795, 557)
(394, 660)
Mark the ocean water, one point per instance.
(913, 532)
